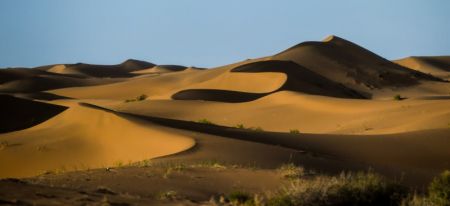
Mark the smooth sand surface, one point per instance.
(81, 138)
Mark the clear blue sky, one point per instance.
(211, 33)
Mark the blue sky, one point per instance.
(210, 33)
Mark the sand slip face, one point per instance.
(83, 138)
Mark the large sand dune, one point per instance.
(81, 138)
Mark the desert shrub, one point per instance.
(294, 131)
(141, 97)
(439, 189)
(398, 97)
(345, 189)
(205, 121)
(256, 129)
(240, 198)
(240, 126)
(138, 98)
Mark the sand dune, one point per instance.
(438, 66)
(83, 138)
(347, 63)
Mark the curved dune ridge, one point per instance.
(347, 63)
(83, 138)
(438, 66)
(286, 110)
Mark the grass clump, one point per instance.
(346, 189)
(294, 131)
(141, 97)
(291, 171)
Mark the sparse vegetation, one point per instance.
(294, 131)
(138, 98)
(345, 189)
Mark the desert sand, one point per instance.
(326, 106)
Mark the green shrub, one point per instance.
(294, 131)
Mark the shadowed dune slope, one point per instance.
(82, 138)
(347, 63)
(17, 113)
(300, 79)
(438, 66)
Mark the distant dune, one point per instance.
(438, 66)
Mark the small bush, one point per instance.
(141, 97)
(398, 97)
(294, 131)
(205, 121)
